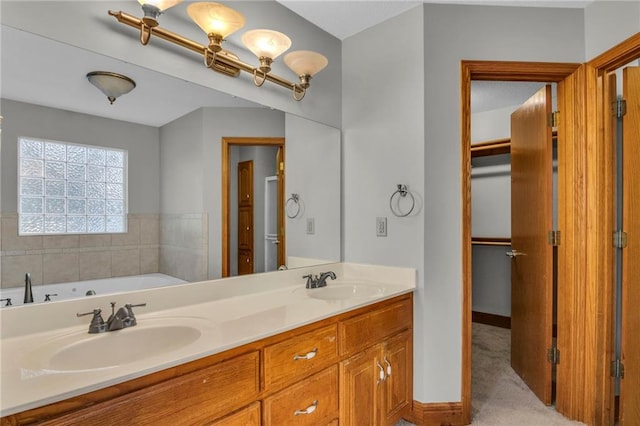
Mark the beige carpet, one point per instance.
(499, 396)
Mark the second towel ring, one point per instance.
(400, 193)
(292, 201)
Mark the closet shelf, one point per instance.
(494, 147)
(490, 241)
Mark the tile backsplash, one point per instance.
(175, 245)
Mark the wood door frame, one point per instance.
(488, 71)
(227, 143)
(600, 267)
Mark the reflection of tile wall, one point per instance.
(184, 246)
(63, 258)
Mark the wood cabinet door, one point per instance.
(245, 183)
(532, 259)
(248, 416)
(398, 391)
(360, 386)
(245, 262)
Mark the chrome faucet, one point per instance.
(319, 281)
(28, 294)
(123, 318)
(117, 320)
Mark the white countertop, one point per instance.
(226, 313)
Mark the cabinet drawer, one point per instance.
(318, 395)
(248, 416)
(300, 356)
(194, 398)
(367, 329)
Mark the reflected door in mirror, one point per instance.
(245, 217)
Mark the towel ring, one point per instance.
(400, 193)
(292, 201)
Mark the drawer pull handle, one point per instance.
(308, 355)
(388, 366)
(310, 409)
(380, 373)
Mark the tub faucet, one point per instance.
(28, 294)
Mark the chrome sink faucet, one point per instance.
(319, 281)
(123, 318)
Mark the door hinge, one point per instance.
(281, 165)
(553, 355)
(554, 238)
(619, 108)
(619, 239)
(554, 118)
(617, 369)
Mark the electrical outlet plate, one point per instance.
(381, 226)
(311, 226)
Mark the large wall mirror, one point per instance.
(172, 131)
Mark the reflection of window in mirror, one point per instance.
(66, 188)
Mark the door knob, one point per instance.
(513, 253)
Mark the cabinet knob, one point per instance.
(310, 409)
(308, 355)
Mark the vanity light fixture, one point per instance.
(112, 84)
(152, 10)
(219, 21)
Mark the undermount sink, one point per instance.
(344, 291)
(76, 352)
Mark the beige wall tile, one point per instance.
(150, 230)
(125, 262)
(95, 264)
(131, 237)
(11, 240)
(60, 241)
(15, 267)
(60, 267)
(94, 240)
(149, 260)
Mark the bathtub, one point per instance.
(76, 289)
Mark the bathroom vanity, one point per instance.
(267, 352)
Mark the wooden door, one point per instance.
(282, 260)
(245, 217)
(531, 221)
(630, 349)
(398, 395)
(359, 389)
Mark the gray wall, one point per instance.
(416, 120)
(313, 172)
(191, 153)
(21, 119)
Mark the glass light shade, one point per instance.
(215, 18)
(266, 43)
(160, 4)
(305, 62)
(111, 84)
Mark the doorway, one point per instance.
(488, 71)
(229, 219)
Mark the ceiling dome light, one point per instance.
(113, 85)
(216, 20)
(267, 45)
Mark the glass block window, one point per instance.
(66, 188)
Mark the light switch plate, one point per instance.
(381, 227)
(311, 226)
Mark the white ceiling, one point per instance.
(159, 99)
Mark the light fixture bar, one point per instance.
(222, 63)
